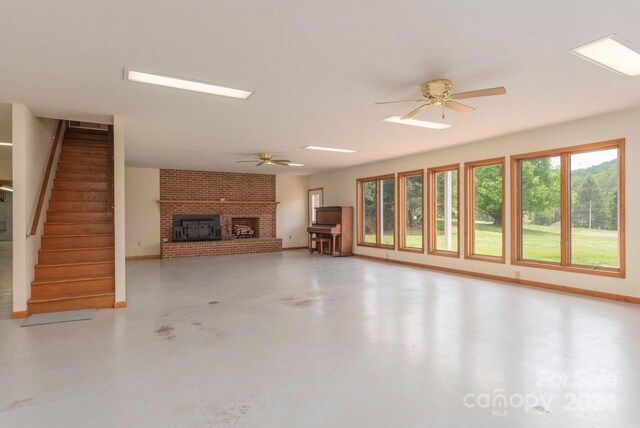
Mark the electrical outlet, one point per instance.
(517, 274)
(387, 256)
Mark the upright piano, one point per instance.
(335, 223)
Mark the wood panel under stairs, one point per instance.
(76, 267)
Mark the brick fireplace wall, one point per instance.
(207, 185)
(231, 195)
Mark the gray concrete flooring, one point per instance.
(292, 340)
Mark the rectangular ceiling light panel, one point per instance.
(416, 122)
(185, 84)
(329, 149)
(613, 53)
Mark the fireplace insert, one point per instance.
(197, 227)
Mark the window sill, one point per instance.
(411, 250)
(386, 247)
(454, 254)
(482, 258)
(611, 272)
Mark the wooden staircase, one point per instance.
(75, 267)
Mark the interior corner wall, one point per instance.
(291, 215)
(142, 212)
(32, 141)
(119, 219)
(340, 189)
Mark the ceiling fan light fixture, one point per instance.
(329, 149)
(416, 122)
(612, 53)
(185, 84)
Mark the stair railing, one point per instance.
(45, 180)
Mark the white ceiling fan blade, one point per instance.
(253, 161)
(414, 112)
(460, 108)
(261, 163)
(480, 93)
(281, 160)
(282, 163)
(404, 101)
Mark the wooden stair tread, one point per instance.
(77, 222)
(73, 129)
(76, 163)
(89, 141)
(68, 297)
(78, 200)
(88, 221)
(81, 181)
(79, 279)
(79, 249)
(102, 262)
(100, 157)
(101, 149)
(76, 236)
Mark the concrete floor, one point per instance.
(292, 340)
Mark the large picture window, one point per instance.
(376, 211)
(410, 209)
(568, 209)
(444, 238)
(484, 210)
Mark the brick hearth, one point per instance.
(232, 196)
(172, 250)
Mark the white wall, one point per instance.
(119, 208)
(32, 141)
(291, 216)
(5, 137)
(339, 189)
(142, 211)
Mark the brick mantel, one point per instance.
(179, 201)
(230, 195)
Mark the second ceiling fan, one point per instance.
(267, 159)
(439, 93)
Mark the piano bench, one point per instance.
(320, 245)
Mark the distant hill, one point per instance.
(605, 174)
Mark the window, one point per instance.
(568, 210)
(315, 200)
(410, 209)
(540, 202)
(484, 210)
(443, 211)
(376, 211)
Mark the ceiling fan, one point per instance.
(438, 93)
(267, 159)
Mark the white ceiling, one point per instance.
(316, 68)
